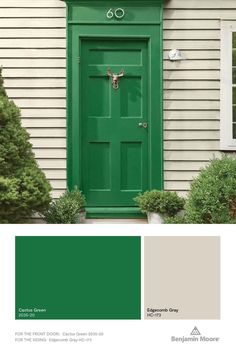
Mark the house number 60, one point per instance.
(118, 13)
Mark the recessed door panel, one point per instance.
(100, 161)
(131, 97)
(106, 56)
(114, 138)
(99, 107)
(131, 166)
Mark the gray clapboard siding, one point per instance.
(43, 113)
(185, 166)
(32, 42)
(40, 102)
(197, 54)
(37, 93)
(190, 23)
(25, 12)
(183, 125)
(52, 164)
(192, 64)
(56, 173)
(47, 132)
(189, 145)
(30, 3)
(50, 153)
(36, 83)
(191, 135)
(176, 185)
(191, 75)
(192, 87)
(33, 63)
(193, 115)
(32, 53)
(35, 73)
(190, 155)
(192, 33)
(46, 123)
(200, 4)
(196, 13)
(191, 105)
(192, 94)
(180, 175)
(32, 33)
(58, 183)
(189, 44)
(47, 142)
(33, 22)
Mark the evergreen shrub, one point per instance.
(66, 209)
(161, 202)
(212, 197)
(24, 189)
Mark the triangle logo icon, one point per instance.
(195, 332)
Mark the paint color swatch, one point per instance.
(182, 278)
(78, 277)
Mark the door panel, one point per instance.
(131, 98)
(99, 160)
(114, 146)
(98, 88)
(115, 57)
(131, 160)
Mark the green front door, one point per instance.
(115, 121)
(114, 134)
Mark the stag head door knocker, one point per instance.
(115, 78)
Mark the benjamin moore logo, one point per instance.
(195, 332)
(195, 336)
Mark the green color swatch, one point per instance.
(81, 277)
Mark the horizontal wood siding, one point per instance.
(33, 52)
(33, 57)
(192, 87)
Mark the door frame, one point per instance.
(152, 33)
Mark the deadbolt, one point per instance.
(143, 125)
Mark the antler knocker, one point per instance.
(115, 78)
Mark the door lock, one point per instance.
(143, 125)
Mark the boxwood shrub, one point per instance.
(163, 202)
(66, 209)
(212, 197)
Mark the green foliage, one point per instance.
(175, 220)
(2, 89)
(213, 194)
(24, 189)
(65, 210)
(166, 203)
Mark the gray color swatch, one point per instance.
(182, 277)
